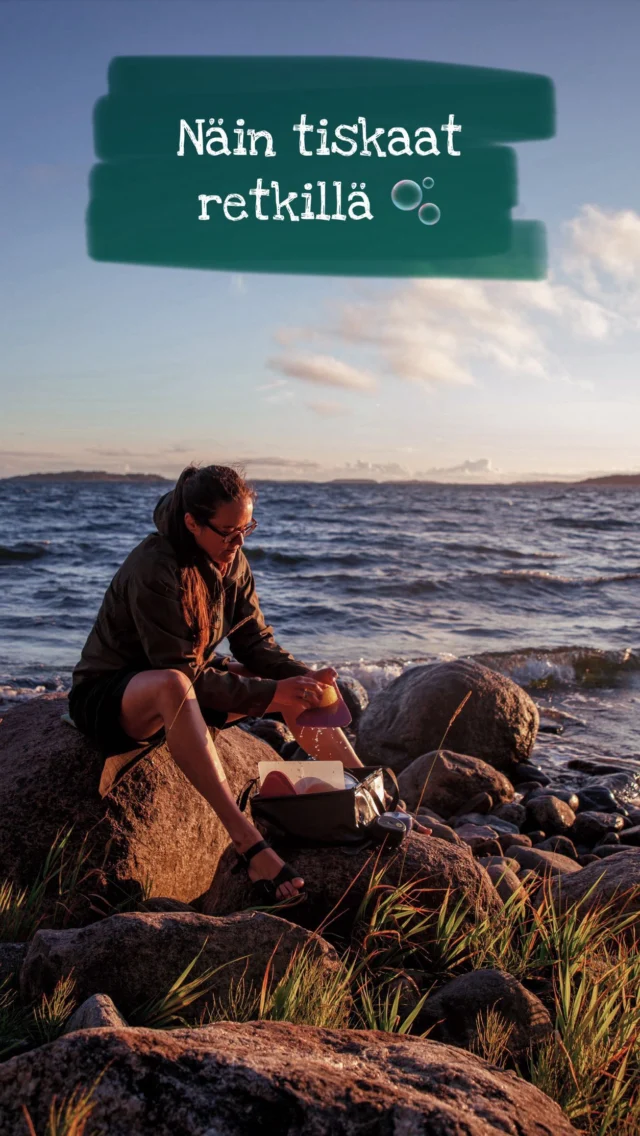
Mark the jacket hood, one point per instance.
(161, 512)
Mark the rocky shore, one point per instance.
(479, 980)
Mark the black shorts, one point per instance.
(95, 706)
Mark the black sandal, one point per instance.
(265, 890)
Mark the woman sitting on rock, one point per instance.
(148, 664)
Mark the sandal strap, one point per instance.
(254, 850)
(285, 875)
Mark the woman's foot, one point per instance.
(265, 866)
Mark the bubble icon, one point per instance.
(428, 183)
(429, 213)
(406, 194)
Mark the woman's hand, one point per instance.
(302, 692)
(327, 676)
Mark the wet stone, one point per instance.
(527, 771)
(597, 798)
(551, 814)
(590, 827)
(513, 813)
(567, 795)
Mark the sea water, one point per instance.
(541, 583)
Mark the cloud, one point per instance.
(328, 409)
(275, 462)
(443, 333)
(605, 241)
(481, 467)
(324, 370)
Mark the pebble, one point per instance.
(514, 813)
(545, 863)
(482, 803)
(612, 849)
(592, 826)
(567, 795)
(551, 814)
(514, 839)
(597, 798)
(528, 786)
(506, 883)
(560, 844)
(630, 836)
(499, 862)
(442, 831)
(527, 771)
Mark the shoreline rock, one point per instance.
(447, 781)
(412, 716)
(153, 825)
(275, 1077)
(134, 957)
(336, 880)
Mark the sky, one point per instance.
(131, 368)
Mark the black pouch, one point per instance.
(342, 816)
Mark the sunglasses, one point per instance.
(227, 537)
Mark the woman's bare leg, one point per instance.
(166, 698)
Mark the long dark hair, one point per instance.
(199, 492)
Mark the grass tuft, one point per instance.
(492, 1037)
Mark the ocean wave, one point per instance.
(496, 550)
(537, 668)
(26, 551)
(13, 692)
(548, 668)
(594, 524)
(545, 577)
(259, 555)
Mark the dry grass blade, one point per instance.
(443, 739)
(307, 995)
(49, 1016)
(492, 1037)
(14, 1027)
(71, 1115)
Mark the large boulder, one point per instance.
(452, 1013)
(152, 827)
(615, 881)
(232, 1078)
(445, 781)
(337, 880)
(498, 723)
(134, 957)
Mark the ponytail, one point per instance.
(199, 492)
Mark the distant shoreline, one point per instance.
(608, 481)
(84, 475)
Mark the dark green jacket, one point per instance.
(140, 625)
